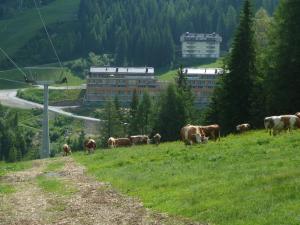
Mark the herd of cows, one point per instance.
(193, 134)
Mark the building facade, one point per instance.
(200, 45)
(203, 82)
(104, 83)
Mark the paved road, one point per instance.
(8, 98)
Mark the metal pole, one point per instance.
(45, 151)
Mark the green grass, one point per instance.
(171, 74)
(55, 96)
(13, 167)
(41, 74)
(55, 186)
(17, 31)
(247, 179)
(54, 166)
(6, 189)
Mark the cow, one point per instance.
(139, 139)
(276, 124)
(191, 134)
(90, 145)
(243, 127)
(156, 139)
(111, 142)
(66, 149)
(298, 114)
(212, 131)
(122, 142)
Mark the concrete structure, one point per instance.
(200, 45)
(104, 83)
(202, 81)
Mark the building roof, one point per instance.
(123, 70)
(202, 71)
(200, 37)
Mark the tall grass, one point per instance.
(247, 179)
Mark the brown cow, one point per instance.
(191, 134)
(212, 131)
(298, 114)
(156, 139)
(243, 127)
(139, 139)
(66, 149)
(122, 142)
(90, 145)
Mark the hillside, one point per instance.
(247, 179)
(17, 31)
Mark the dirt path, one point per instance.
(93, 202)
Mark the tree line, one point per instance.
(262, 77)
(135, 33)
(15, 142)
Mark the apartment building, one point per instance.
(200, 45)
(203, 82)
(104, 83)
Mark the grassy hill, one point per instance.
(42, 73)
(169, 75)
(17, 31)
(247, 179)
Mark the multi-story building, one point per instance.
(202, 81)
(104, 83)
(200, 45)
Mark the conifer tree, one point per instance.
(171, 116)
(144, 114)
(283, 60)
(133, 120)
(233, 96)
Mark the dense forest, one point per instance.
(138, 33)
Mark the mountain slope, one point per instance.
(17, 31)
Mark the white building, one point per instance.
(203, 82)
(200, 45)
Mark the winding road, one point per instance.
(9, 98)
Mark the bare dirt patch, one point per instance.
(93, 202)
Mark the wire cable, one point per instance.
(12, 61)
(45, 28)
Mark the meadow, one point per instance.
(17, 31)
(243, 179)
(55, 96)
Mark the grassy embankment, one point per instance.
(11, 167)
(55, 96)
(247, 179)
(47, 73)
(171, 74)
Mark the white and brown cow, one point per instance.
(111, 142)
(191, 134)
(298, 114)
(122, 142)
(241, 128)
(66, 149)
(276, 124)
(139, 139)
(156, 139)
(212, 131)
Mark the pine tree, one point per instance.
(234, 94)
(144, 114)
(283, 60)
(133, 120)
(171, 116)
